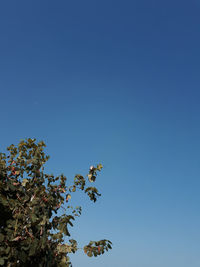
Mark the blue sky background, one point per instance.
(115, 82)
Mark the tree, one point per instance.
(33, 231)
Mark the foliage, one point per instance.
(31, 231)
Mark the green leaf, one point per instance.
(109, 246)
(24, 182)
(89, 254)
(91, 178)
(33, 247)
(1, 237)
(34, 218)
(44, 220)
(99, 166)
(68, 196)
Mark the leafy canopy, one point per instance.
(31, 231)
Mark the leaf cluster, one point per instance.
(31, 231)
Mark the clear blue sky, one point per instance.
(115, 82)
